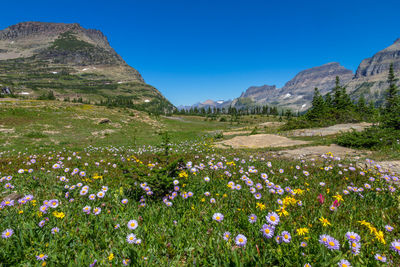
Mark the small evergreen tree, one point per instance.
(337, 93)
(318, 108)
(391, 112)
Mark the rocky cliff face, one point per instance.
(298, 92)
(61, 43)
(371, 74)
(380, 62)
(73, 62)
(260, 93)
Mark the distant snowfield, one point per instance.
(287, 95)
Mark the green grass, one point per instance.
(129, 151)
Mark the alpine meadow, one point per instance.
(104, 161)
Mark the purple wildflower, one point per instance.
(7, 233)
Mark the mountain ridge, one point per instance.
(72, 61)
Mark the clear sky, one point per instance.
(195, 50)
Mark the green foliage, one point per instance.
(159, 179)
(371, 138)
(391, 112)
(254, 131)
(68, 41)
(47, 96)
(327, 111)
(35, 135)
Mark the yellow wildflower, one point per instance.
(111, 257)
(260, 206)
(183, 174)
(282, 212)
(338, 197)
(324, 221)
(298, 191)
(302, 231)
(58, 214)
(379, 236)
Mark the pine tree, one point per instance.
(361, 105)
(328, 100)
(391, 116)
(391, 93)
(318, 108)
(337, 93)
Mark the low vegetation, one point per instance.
(187, 204)
(386, 135)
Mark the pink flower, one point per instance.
(321, 199)
(336, 203)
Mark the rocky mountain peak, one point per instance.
(380, 62)
(34, 30)
(322, 73)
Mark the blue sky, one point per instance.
(195, 50)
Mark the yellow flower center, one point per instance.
(132, 224)
(267, 231)
(41, 255)
(240, 240)
(217, 217)
(331, 243)
(397, 247)
(8, 233)
(286, 236)
(272, 218)
(352, 237)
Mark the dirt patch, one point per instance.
(260, 141)
(5, 130)
(331, 129)
(51, 132)
(103, 133)
(236, 132)
(318, 151)
(391, 166)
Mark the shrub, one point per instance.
(371, 138)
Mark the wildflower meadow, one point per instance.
(192, 205)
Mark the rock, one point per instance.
(13, 196)
(298, 92)
(371, 74)
(104, 121)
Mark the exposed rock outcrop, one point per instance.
(371, 74)
(298, 92)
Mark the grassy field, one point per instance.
(117, 194)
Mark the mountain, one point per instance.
(72, 61)
(298, 92)
(207, 104)
(371, 74)
(369, 80)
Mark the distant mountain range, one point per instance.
(71, 61)
(207, 104)
(369, 80)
